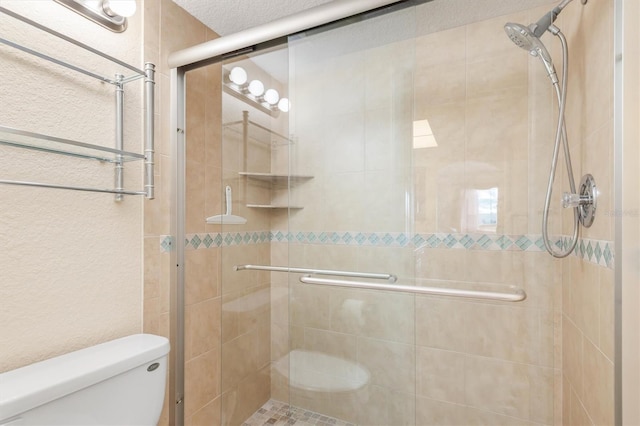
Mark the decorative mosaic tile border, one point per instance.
(594, 251)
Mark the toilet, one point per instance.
(121, 382)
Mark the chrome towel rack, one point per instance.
(515, 294)
(371, 275)
(29, 140)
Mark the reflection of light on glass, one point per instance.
(271, 96)
(423, 135)
(238, 76)
(256, 88)
(482, 208)
(284, 105)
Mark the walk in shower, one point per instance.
(382, 260)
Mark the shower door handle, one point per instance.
(516, 294)
(368, 275)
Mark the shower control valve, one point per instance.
(585, 200)
(575, 200)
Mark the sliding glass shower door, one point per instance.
(351, 353)
(373, 237)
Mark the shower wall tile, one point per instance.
(240, 403)
(572, 355)
(340, 345)
(607, 313)
(579, 415)
(304, 296)
(487, 75)
(373, 314)
(500, 331)
(486, 38)
(202, 327)
(178, 30)
(209, 414)
(440, 375)
(586, 296)
(379, 149)
(431, 412)
(391, 365)
(597, 159)
(245, 311)
(386, 67)
(501, 387)
(441, 84)
(441, 48)
(347, 93)
(441, 324)
(239, 359)
(202, 381)
(598, 390)
(201, 281)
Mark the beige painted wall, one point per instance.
(71, 268)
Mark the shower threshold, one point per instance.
(279, 414)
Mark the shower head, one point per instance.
(524, 38)
(528, 38)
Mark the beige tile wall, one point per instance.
(588, 290)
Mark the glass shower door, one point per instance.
(409, 149)
(352, 351)
(417, 136)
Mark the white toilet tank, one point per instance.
(120, 382)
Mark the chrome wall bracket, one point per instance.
(586, 200)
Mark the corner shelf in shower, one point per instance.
(264, 136)
(257, 133)
(119, 75)
(277, 179)
(273, 207)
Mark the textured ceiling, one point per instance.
(229, 16)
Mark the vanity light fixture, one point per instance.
(272, 96)
(256, 88)
(111, 14)
(284, 105)
(237, 84)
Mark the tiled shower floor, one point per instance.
(281, 414)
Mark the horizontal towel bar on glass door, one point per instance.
(516, 295)
(371, 275)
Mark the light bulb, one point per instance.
(124, 8)
(238, 76)
(284, 105)
(271, 96)
(256, 88)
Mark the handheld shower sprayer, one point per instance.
(528, 38)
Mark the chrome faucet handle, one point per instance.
(585, 201)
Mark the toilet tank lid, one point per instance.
(33, 385)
